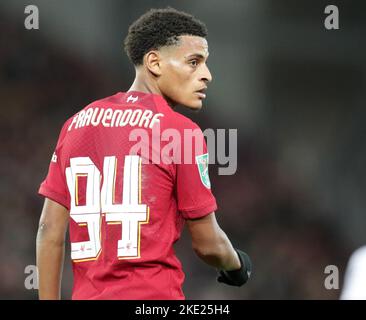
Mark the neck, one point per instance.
(144, 83)
(147, 83)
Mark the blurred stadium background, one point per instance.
(294, 90)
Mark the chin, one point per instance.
(196, 105)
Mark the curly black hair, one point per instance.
(157, 28)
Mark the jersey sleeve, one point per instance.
(54, 186)
(193, 187)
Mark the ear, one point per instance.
(152, 60)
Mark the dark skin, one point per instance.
(179, 73)
(176, 72)
(51, 249)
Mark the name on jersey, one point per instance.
(115, 118)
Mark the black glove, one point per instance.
(240, 276)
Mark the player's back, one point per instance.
(126, 201)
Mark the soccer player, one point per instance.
(126, 197)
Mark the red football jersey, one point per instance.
(128, 172)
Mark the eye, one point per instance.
(193, 62)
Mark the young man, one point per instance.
(126, 206)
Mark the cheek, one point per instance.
(178, 81)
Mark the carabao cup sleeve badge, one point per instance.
(202, 164)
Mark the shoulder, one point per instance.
(178, 121)
(96, 103)
(72, 118)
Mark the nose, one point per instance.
(206, 74)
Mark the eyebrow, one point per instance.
(197, 55)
